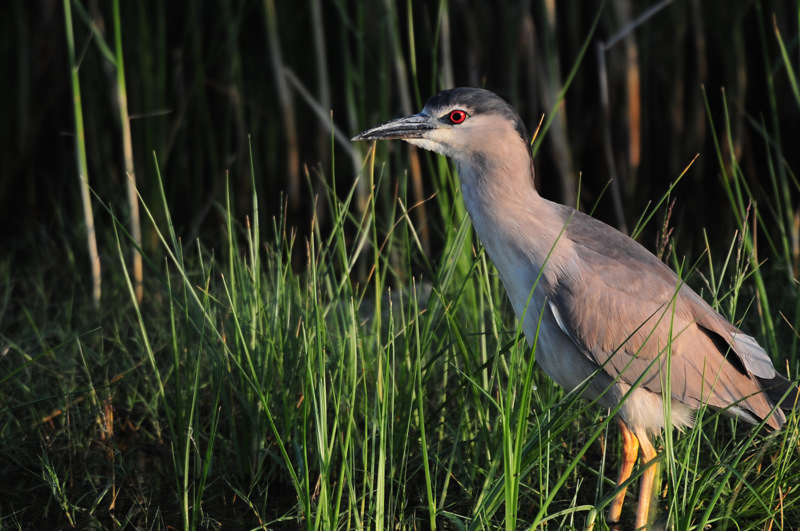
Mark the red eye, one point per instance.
(457, 116)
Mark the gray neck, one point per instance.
(518, 228)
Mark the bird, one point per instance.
(608, 314)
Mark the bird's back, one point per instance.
(627, 312)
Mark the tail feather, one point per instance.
(781, 391)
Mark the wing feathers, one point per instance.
(628, 310)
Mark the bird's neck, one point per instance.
(493, 185)
(516, 225)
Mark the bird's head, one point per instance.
(469, 125)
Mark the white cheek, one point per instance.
(441, 141)
(425, 143)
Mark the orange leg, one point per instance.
(630, 450)
(646, 487)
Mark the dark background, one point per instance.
(202, 80)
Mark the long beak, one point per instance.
(414, 126)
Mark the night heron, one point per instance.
(612, 314)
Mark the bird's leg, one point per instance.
(630, 450)
(646, 486)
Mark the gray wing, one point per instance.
(628, 310)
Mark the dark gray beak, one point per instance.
(413, 126)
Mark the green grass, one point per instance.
(243, 393)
